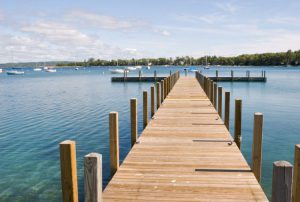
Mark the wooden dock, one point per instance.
(185, 153)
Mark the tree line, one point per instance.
(264, 59)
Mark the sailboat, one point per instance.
(206, 64)
(37, 69)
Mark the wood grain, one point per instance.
(185, 154)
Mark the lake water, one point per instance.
(39, 110)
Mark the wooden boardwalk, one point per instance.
(185, 154)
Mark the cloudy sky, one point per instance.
(43, 30)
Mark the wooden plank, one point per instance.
(185, 153)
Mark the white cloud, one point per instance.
(208, 18)
(284, 20)
(104, 21)
(162, 32)
(42, 41)
(226, 6)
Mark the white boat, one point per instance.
(51, 70)
(76, 68)
(148, 67)
(1, 71)
(117, 71)
(45, 68)
(131, 68)
(138, 67)
(37, 69)
(15, 72)
(206, 65)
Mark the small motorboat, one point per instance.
(193, 70)
(1, 71)
(148, 67)
(15, 72)
(37, 69)
(117, 71)
(45, 68)
(131, 68)
(50, 70)
(138, 67)
(76, 68)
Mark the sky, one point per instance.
(69, 30)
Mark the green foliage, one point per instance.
(264, 59)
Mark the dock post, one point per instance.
(93, 177)
(162, 85)
(157, 95)
(262, 73)
(227, 109)
(257, 145)
(238, 122)
(165, 86)
(217, 74)
(140, 75)
(282, 181)
(114, 142)
(145, 109)
(68, 168)
(215, 94)
(170, 72)
(220, 92)
(232, 75)
(152, 101)
(155, 75)
(133, 118)
(211, 90)
(296, 178)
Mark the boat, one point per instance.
(206, 64)
(131, 68)
(45, 68)
(1, 71)
(37, 69)
(117, 71)
(148, 67)
(50, 70)
(15, 72)
(138, 67)
(76, 68)
(193, 70)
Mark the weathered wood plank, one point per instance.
(185, 153)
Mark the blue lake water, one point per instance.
(39, 110)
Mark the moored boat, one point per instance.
(15, 72)
(50, 70)
(117, 71)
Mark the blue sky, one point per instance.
(75, 30)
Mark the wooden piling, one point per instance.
(215, 94)
(257, 145)
(165, 88)
(220, 92)
(145, 109)
(227, 110)
(155, 75)
(211, 90)
(238, 122)
(140, 75)
(93, 177)
(68, 169)
(133, 118)
(296, 178)
(152, 101)
(162, 91)
(114, 142)
(157, 95)
(282, 181)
